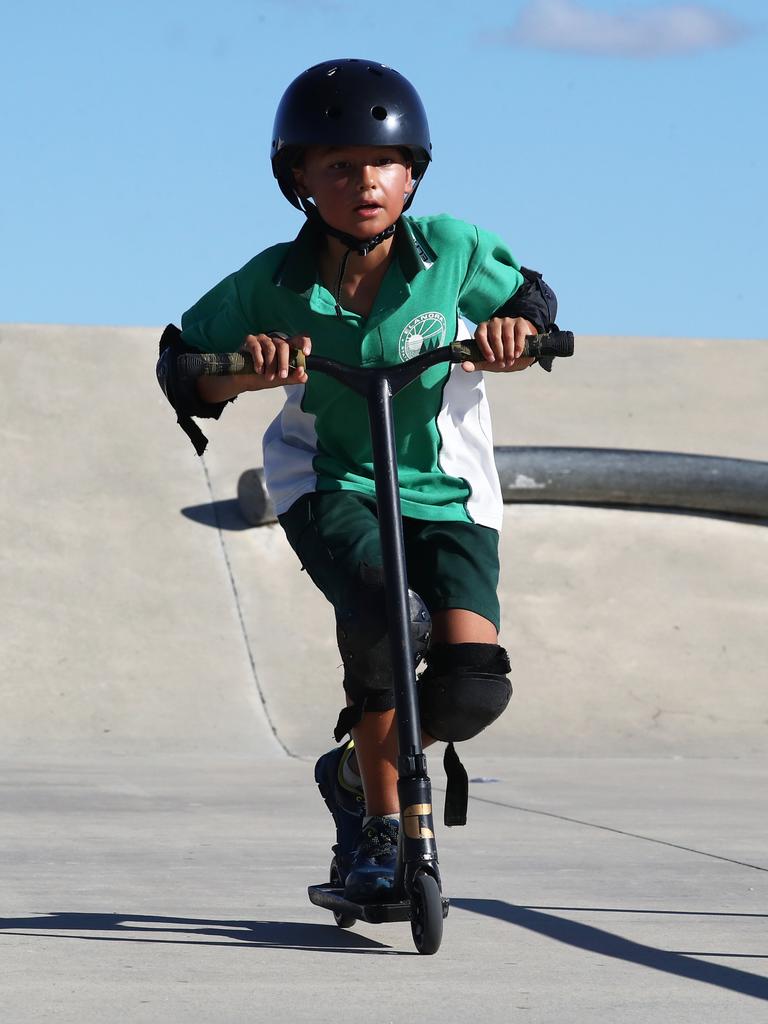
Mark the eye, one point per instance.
(340, 165)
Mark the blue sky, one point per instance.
(620, 148)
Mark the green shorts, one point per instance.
(450, 564)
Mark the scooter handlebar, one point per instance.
(218, 364)
(554, 343)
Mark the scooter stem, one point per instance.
(418, 847)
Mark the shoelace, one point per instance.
(379, 841)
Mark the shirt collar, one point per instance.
(298, 270)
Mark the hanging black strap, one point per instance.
(193, 432)
(456, 790)
(348, 719)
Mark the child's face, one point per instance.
(357, 189)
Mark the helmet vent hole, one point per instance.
(333, 112)
(379, 113)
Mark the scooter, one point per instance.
(418, 889)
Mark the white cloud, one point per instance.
(638, 32)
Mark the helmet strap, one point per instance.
(340, 281)
(357, 245)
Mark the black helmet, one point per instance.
(348, 102)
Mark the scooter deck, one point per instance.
(331, 898)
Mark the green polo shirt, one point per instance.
(444, 269)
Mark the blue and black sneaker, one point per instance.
(345, 802)
(371, 875)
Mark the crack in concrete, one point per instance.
(241, 618)
(706, 716)
(616, 831)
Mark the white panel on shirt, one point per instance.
(464, 423)
(290, 446)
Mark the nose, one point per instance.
(367, 177)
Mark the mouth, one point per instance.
(367, 209)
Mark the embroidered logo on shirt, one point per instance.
(424, 332)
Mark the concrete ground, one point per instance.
(169, 677)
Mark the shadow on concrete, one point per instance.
(636, 910)
(603, 943)
(318, 938)
(225, 514)
(222, 515)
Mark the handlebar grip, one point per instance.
(192, 365)
(554, 343)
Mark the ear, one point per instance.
(408, 179)
(298, 180)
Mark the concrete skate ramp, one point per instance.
(120, 629)
(138, 613)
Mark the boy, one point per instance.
(367, 286)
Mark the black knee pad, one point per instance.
(363, 639)
(463, 689)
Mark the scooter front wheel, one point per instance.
(426, 914)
